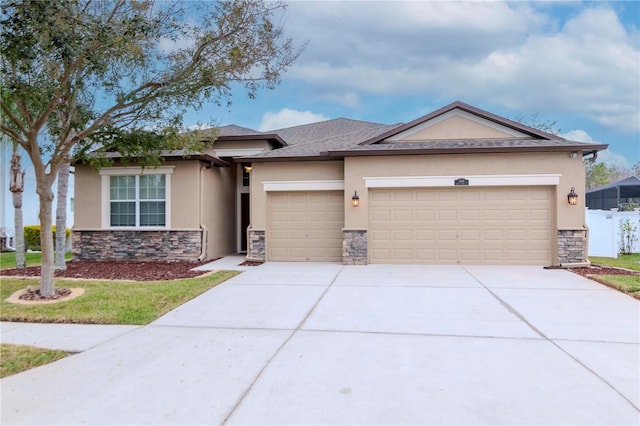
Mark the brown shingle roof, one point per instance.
(323, 129)
(318, 148)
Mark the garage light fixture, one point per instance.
(572, 197)
(355, 200)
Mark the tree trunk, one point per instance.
(16, 186)
(61, 215)
(47, 283)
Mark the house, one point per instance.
(457, 186)
(625, 192)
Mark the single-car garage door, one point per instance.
(469, 225)
(305, 226)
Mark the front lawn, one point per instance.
(107, 302)
(625, 283)
(17, 358)
(8, 259)
(626, 261)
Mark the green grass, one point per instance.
(8, 259)
(17, 358)
(625, 283)
(626, 261)
(107, 302)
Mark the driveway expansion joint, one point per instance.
(535, 329)
(277, 351)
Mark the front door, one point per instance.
(244, 220)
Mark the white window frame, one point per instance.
(105, 175)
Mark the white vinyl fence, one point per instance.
(604, 231)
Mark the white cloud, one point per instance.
(607, 156)
(288, 117)
(613, 159)
(502, 53)
(578, 136)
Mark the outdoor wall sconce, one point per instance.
(355, 200)
(572, 197)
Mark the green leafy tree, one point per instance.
(77, 71)
(597, 174)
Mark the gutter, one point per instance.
(203, 227)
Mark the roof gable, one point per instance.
(456, 124)
(460, 121)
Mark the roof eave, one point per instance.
(466, 150)
(273, 138)
(321, 157)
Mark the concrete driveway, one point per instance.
(313, 343)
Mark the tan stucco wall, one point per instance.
(219, 210)
(286, 171)
(457, 127)
(572, 171)
(87, 198)
(184, 195)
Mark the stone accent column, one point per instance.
(354, 247)
(256, 251)
(572, 246)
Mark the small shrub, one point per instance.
(628, 236)
(32, 236)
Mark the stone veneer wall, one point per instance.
(572, 246)
(137, 246)
(256, 251)
(354, 247)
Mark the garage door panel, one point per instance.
(461, 225)
(447, 215)
(470, 215)
(425, 215)
(492, 215)
(539, 214)
(469, 236)
(424, 255)
(424, 234)
(424, 196)
(447, 195)
(305, 226)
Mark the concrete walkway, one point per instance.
(312, 343)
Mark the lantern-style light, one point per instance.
(355, 200)
(572, 197)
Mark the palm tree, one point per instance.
(16, 186)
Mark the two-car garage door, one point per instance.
(468, 225)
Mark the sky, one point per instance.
(575, 63)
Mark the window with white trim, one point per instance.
(136, 198)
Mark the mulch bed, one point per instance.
(604, 270)
(136, 271)
(34, 295)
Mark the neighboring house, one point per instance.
(625, 192)
(457, 186)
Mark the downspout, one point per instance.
(587, 232)
(203, 227)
